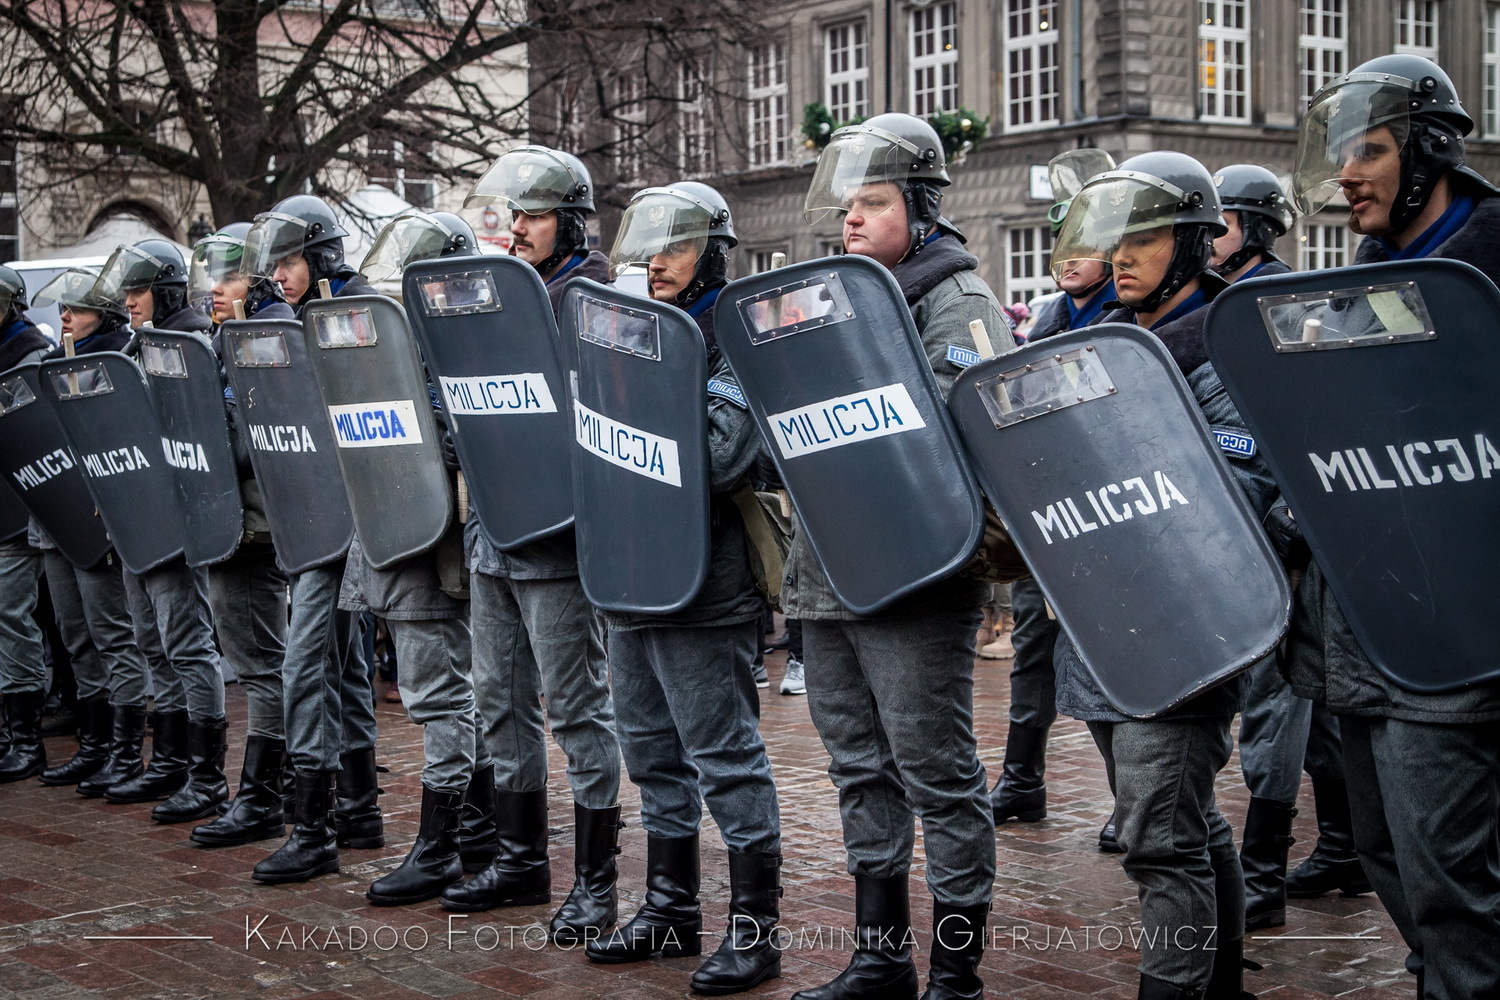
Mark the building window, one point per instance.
(1028, 264)
(1490, 128)
(1417, 28)
(629, 153)
(846, 76)
(695, 146)
(1324, 45)
(769, 128)
(934, 59)
(762, 261)
(831, 248)
(10, 202)
(1031, 78)
(1224, 60)
(1321, 246)
(402, 167)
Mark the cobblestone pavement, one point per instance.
(73, 870)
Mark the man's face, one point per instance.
(1141, 262)
(1080, 275)
(533, 236)
(1226, 245)
(293, 277)
(1370, 174)
(80, 322)
(226, 290)
(142, 306)
(671, 271)
(876, 224)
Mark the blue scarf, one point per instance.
(1193, 302)
(1253, 271)
(336, 285)
(1085, 315)
(1437, 234)
(562, 272)
(702, 305)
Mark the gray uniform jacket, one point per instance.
(944, 293)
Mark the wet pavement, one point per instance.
(96, 900)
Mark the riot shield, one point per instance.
(39, 466)
(840, 386)
(1370, 391)
(182, 377)
(281, 421)
(1095, 455)
(100, 401)
(487, 332)
(640, 464)
(380, 410)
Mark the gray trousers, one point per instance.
(1274, 724)
(22, 666)
(247, 593)
(93, 615)
(1033, 680)
(1325, 752)
(535, 640)
(172, 616)
(329, 705)
(893, 700)
(433, 657)
(686, 708)
(1425, 800)
(1179, 849)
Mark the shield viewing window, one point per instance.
(165, 360)
(260, 349)
(337, 328)
(1053, 383)
(14, 394)
(790, 309)
(619, 328)
(1367, 316)
(459, 294)
(87, 380)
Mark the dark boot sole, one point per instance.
(525, 899)
(1268, 918)
(63, 781)
(1028, 816)
(421, 897)
(30, 772)
(306, 875)
(1359, 889)
(772, 971)
(170, 819)
(239, 840)
(691, 946)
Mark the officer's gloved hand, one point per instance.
(445, 437)
(1286, 537)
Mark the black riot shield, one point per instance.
(282, 423)
(100, 401)
(1095, 455)
(640, 460)
(839, 384)
(42, 470)
(182, 377)
(380, 410)
(487, 333)
(1371, 393)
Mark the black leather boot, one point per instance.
(520, 875)
(668, 922)
(957, 946)
(311, 850)
(26, 757)
(882, 967)
(593, 905)
(1333, 864)
(433, 863)
(1108, 842)
(747, 956)
(93, 744)
(1268, 837)
(124, 753)
(168, 769)
(255, 813)
(1227, 981)
(1021, 793)
(357, 813)
(478, 837)
(1157, 989)
(206, 789)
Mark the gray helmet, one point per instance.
(80, 288)
(12, 294)
(894, 148)
(1429, 91)
(535, 180)
(415, 236)
(722, 222)
(1244, 187)
(463, 241)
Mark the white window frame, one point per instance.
(694, 139)
(629, 153)
(846, 70)
(766, 94)
(1322, 244)
(1323, 44)
(760, 260)
(1033, 91)
(416, 190)
(1489, 125)
(932, 51)
(10, 199)
(1417, 23)
(1028, 263)
(1223, 34)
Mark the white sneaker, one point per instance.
(793, 681)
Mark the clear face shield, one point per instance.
(1348, 128)
(1069, 172)
(274, 236)
(405, 240)
(75, 288)
(528, 180)
(659, 222)
(127, 269)
(863, 169)
(1122, 221)
(216, 259)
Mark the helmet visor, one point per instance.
(8, 296)
(660, 221)
(274, 236)
(858, 164)
(527, 180)
(1069, 172)
(216, 258)
(75, 288)
(1108, 212)
(405, 240)
(127, 269)
(1349, 128)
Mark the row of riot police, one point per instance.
(560, 493)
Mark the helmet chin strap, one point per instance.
(712, 271)
(1191, 253)
(1429, 153)
(569, 239)
(923, 211)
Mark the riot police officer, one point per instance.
(879, 719)
(153, 279)
(1423, 769)
(685, 697)
(535, 634)
(218, 277)
(1258, 213)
